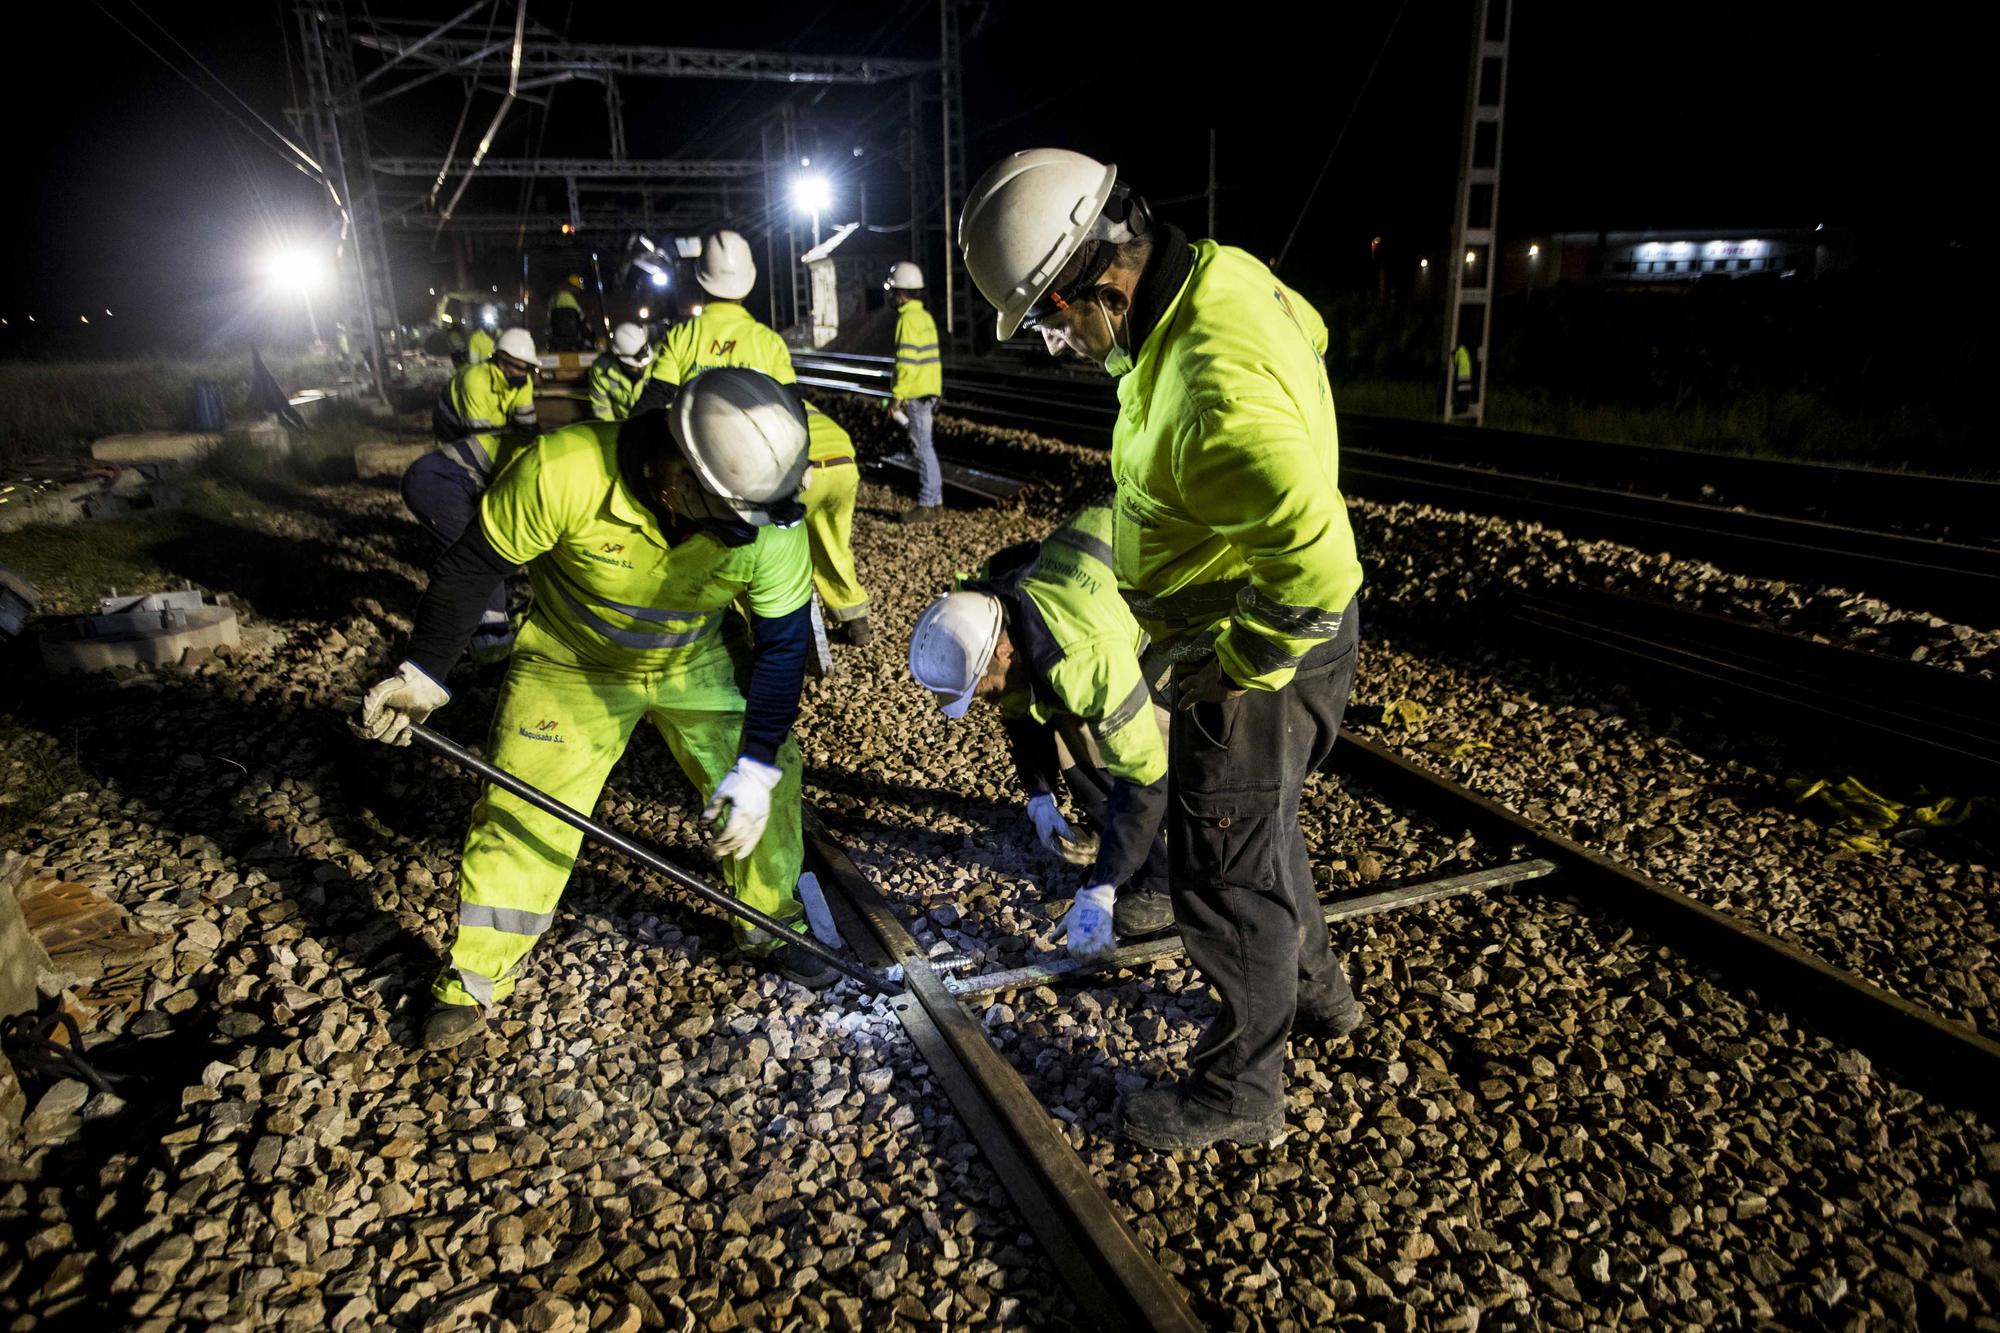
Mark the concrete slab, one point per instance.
(270, 436)
(172, 448)
(151, 631)
(386, 458)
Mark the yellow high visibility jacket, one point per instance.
(481, 420)
(614, 389)
(919, 373)
(1091, 667)
(1230, 526)
(479, 347)
(826, 438)
(565, 299)
(611, 590)
(723, 334)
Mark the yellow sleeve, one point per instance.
(1099, 681)
(781, 581)
(521, 512)
(675, 362)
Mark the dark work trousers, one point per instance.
(1090, 788)
(445, 499)
(1242, 884)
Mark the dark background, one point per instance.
(132, 192)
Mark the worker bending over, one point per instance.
(618, 376)
(1042, 632)
(1233, 549)
(483, 416)
(919, 382)
(725, 334)
(641, 537)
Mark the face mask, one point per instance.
(1118, 361)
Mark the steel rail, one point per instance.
(1116, 1283)
(1945, 1058)
(1351, 908)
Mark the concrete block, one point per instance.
(269, 436)
(152, 631)
(386, 458)
(166, 447)
(22, 958)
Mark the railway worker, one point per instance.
(919, 382)
(484, 416)
(829, 502)
(725, 334)
(1042, 632)
(479, 347)
(1461, 379)
(619, 376)
(641, 537)
(1233, 548)
(566, 330)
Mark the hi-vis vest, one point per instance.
(723, 334)
(480, 420)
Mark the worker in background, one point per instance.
(1461, 380)
(829, 501)
(483, 416)
(1233, 549)
(618, 376)
(566, 332)
(479, 347)
(725, 334)
(642, 537)
(1042, 632)
(913, 395)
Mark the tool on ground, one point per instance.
(647, 857)
(818, 915)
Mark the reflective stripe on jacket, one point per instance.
(723, 334)
(610, 587)
(1230, 527)
(919, 373)
(480, 420)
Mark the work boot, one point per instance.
(807, 969)
(856, 633)
(1163, 1118)
(449, 1024)
(921, 514)
(1141, 912)
(1327, 1014)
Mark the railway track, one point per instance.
(1090, 1241)
(1923, 541)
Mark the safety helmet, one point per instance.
(628, 344)
(952, 646)
(1028, 216)
(904, 277)
(726, 268)
(744, 436)
(576, 280)
(519, 345)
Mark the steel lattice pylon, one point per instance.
(1468, 311)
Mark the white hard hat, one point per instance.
(745, 437)
(904, 277)
(726, 268)
(519, 344)
(952, 646)
(628, 344)
(1025, 219)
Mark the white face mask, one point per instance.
(1118, 361)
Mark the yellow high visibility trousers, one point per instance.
(829, 502)
(561, 727)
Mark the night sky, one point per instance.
(133, 192)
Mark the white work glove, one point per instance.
(392, 705)
(898, 415)
(746, 791)
(1088, 925)
(1049, 823)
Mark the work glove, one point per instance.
(1049, 823)
(1088, 924)
(745, 791)
(898, 415)
(390, 708)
